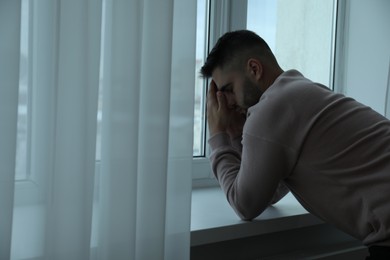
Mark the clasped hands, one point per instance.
(221, 117)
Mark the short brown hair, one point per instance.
(233, 45)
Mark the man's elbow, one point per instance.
(246, 208)
(247, 214)
(247, 217)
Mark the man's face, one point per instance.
(240, 90)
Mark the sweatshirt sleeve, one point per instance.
(237, 143)
(280, 192)
(250, 180)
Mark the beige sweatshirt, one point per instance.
(330, 151)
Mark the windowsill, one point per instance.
(213, 220)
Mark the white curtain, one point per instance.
(134, 203)
(9, 76)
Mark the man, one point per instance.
(274, 131)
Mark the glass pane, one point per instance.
(101, 79)
(298, 32)
(21, 165)
(199, 109)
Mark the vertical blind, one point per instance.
(135, 202)
(9, 53)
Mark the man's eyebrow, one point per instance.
(223, 88)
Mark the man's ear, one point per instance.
(255, 68)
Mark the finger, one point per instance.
(211, 95)
(212, 88)
(222, 102)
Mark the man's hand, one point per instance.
(220, 117)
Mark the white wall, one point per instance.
(366, 61)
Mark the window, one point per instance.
(22, 142)
(300, 33)
(200, 83)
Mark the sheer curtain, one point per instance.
(135, 202)
(9, 51)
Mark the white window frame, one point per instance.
(28, 191)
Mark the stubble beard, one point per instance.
(251, 94)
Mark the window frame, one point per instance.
(28, 191)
